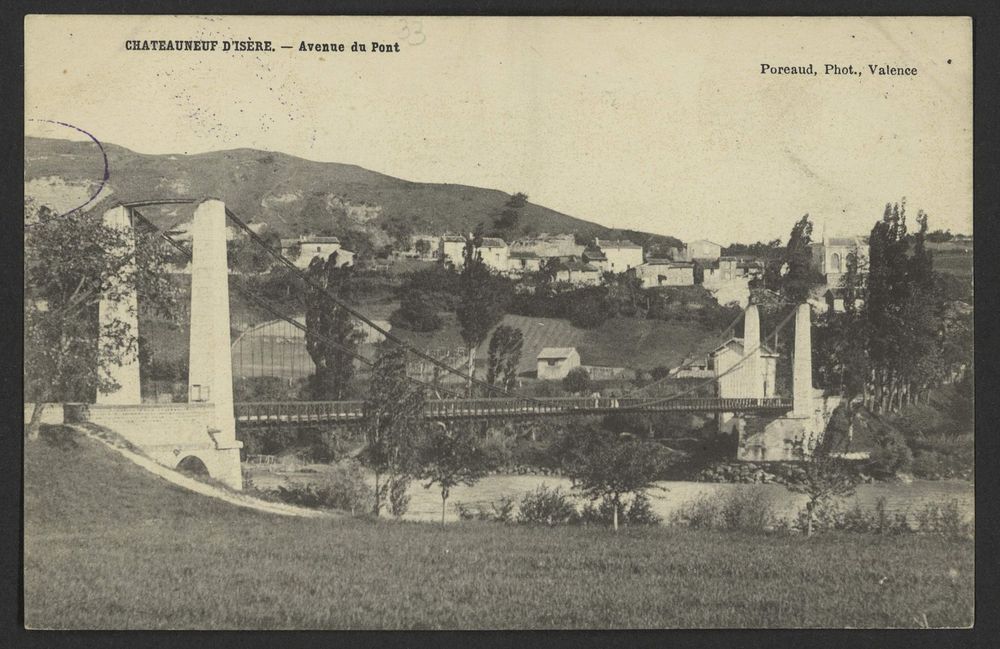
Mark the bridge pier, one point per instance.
(173, 434)
(795, 435)
(210, 369)
(121, 305)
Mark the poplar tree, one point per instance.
(504, 356)
(332, 336)
(481, 304)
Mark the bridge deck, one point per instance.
(308, 412)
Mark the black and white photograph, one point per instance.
(498, 323)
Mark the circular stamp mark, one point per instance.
(104, 155)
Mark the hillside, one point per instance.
(290, 194)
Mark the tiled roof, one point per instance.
(555, 353)
(493, 242)
(607, 243)
(320, 240)
(453, 238)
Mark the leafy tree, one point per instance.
(393, 426)
(332, 337)
(70, 262)
(799, 277)
(577, 381)
(416, 312)
(451, 456)
(504, 356)
(482, 302)
(610, 467)
(822, 480)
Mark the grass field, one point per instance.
(109, 546)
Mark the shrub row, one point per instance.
(553, 506)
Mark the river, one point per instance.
(668, 497)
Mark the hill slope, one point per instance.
(290, 194)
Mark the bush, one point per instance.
(891, 455)
(498, 512)
(577, 381)
(417, 312)
(944, 520)
(602, 512)
(545, 506)
(499, 448)
(741, 509)
(342, 487)
(747, 509)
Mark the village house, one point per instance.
(495, 253)
(621, 255)
(664, 272)
(554, 363)
(521, 262)
(596, 257)
(702, 249)
(578, 273)
(451, 249)
(829, 256)
(560, 246)
(305, 248)
(740, 381)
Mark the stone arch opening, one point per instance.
(835, 263)
(193, 465)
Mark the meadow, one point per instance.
(108, 546)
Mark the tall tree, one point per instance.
(394, 424)
(70, 262)
(482, 302)
(798, 277)
(332, 337)
(504, 356)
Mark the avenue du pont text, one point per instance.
(251, 45)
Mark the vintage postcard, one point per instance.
(498, 323)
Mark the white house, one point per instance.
(495, 253)
(702, 249)
(563, 246)
(740, 381)
(304, 249)
(451, 249)
(554, 363)
(621, 255)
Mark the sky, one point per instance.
(659, 124)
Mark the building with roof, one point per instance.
(702, 249)
(621, 255)
(747, 379)
(596, 257)
(829, 256)
(664, 272)
(579, 273)
(561, 246)
(495, 253)
(306, 248)
(554, 363)
(523, 261)
(451, 250)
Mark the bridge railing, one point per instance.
(327, 411)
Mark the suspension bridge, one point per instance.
(226, 254)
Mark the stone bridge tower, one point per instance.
(202, 431)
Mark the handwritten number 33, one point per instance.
(413, 32)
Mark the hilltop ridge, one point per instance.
(292, 195)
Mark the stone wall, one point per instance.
(169, 433)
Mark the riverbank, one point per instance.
(666, 499)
